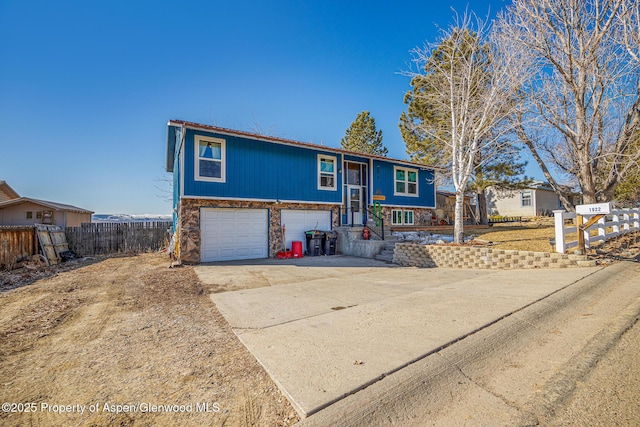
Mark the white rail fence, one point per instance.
(614, 224)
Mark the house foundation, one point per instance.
(190, 232)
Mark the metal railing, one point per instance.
(367, 218)
(375, 223)
(352, 218)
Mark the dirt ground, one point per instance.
(126, 341)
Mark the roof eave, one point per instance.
(10, 191)
(45, 203)
(277, 140)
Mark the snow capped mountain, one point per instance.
(131, 218)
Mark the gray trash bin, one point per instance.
(330, 241)
(314, 242)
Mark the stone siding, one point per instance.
(481, 257)
(189, 222)
(421, 216)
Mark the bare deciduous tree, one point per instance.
(582, 113)
(630, 22)
(465, 78)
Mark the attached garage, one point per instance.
(297, 221)
(230, 234)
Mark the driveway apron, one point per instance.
(324, 332)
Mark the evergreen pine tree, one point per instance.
(363, 137)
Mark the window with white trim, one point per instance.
(408, 217)
(406, 182)
(525, 199)
(401, 217)
(209, 159)
(396, 217)
(327, 174)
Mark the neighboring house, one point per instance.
(16, 210)
(538, 199)
(236, 193)
(6, 192)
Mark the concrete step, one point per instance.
(386, 254)
(388, 258)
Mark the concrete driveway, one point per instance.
(326, 327)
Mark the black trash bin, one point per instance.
(314, 242)
(330, 240)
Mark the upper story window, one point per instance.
(326, 172)
(210, 159)
(406, 182)
(525, 199)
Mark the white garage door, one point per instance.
(229, 234)
(297, 222)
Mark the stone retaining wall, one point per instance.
(482, 257)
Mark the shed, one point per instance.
(446, 206)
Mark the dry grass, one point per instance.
(522, 238)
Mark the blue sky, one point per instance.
(88, 86)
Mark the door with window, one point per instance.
(356, 190)
(354, 204)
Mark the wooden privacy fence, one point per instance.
(616, 223)
(107, 238)
(16, 244)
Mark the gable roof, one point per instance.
(5, 188)
(190, 125)
(51, 205)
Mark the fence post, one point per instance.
(559, 225)
(625, 221)
(602, 228)
(583, 235)
(616, 223)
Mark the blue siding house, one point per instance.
(239, 195)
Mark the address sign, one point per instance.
(594, 209)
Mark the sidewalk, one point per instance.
(334, 330)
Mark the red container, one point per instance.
(284, 255)
(296, 248)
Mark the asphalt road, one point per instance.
(609, 395)
(570, 359)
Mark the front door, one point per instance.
(354, 204)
